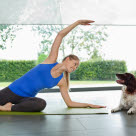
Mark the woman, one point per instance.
(20, 95)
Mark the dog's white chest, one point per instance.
(128, 100)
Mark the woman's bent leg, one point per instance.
(7, 98)
(6, 95)
(24, 104)
(30, 104)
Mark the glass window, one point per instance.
(104, 50)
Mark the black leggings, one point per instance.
(23, 104)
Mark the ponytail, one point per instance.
(67, 75)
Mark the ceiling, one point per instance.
(108, 12)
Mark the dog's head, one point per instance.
(129, 80)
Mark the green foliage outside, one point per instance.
(79, 39)
(98, 70)
(12, 70)
(41, 58)
(90, 40)
(7, 33)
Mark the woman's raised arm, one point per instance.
(56, 44)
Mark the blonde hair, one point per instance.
(66, 74)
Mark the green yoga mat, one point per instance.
(61, 110)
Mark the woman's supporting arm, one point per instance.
(72, 104)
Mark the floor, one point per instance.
(112, 124)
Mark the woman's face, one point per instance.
(71, 65)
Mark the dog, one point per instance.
(128, 98)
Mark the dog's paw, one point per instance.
(114, 110)
(131, 111)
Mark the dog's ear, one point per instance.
(130, 89)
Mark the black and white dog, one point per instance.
(128, 98)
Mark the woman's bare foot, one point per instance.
(6, 107)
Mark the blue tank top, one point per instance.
(34, 80)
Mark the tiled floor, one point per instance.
(72, 125)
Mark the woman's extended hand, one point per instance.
(85, 22)
(96, 106)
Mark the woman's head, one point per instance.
(71, 63)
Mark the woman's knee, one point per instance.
(41, 104)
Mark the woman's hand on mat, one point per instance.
(96, 106)
(85, 22)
